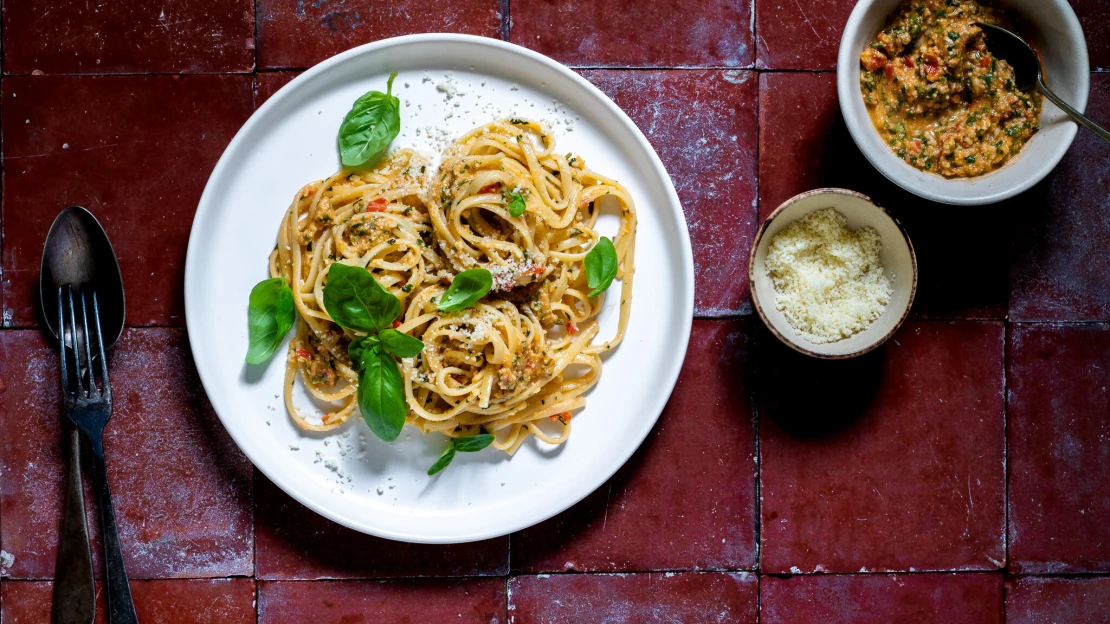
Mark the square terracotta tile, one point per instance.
(268, 83)
(341, 602)
(133, 150)
(804, 144)
(799, 35)
(653, 33)
(893, 461)
(294, 33)
(686, 500)
(180, 487)
(215, 601)
(711, 157)
(882, 599)
(1060, 268)
(1032, 600)
(690, 598)
(1059, 448)
(294, 543)
(78, 37)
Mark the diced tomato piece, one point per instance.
(985, 61)
(377, 205)
(932, 65)
(396, 324)
(304, 354)
(490, 188)
(572, 328)
(535, 270)
(873, 59)
(908, 62)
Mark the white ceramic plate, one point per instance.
(352, 477)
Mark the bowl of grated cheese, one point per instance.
(832, 274)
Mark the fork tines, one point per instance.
(81, 383)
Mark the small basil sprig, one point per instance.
(516, 203)
(355, 300)
(465, 290)
(370, 126)
(270, 315)
(469, 444)
(601, 266)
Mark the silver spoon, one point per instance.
(1028, 72)
(76, 252)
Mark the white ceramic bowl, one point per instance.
(898, 258)
(1052, 28)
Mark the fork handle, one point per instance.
(121, 609)
(74, 591)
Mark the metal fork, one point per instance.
(89, 407)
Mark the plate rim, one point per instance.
(205, 210)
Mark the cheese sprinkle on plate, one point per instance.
(829, 281)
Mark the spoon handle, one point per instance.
(1074, 114)
(121, 609)
(74, 591)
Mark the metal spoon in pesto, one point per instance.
(1028, 72)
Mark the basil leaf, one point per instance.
(469, 444)
(516, 204)
(472, 444)
(601, 266)
(466, 289)
(370, 126)
(355, 300)
(358, 349)
(381, 394)
(400, 344)
(443, 461)
(270, 315)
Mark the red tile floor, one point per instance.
(957, 475)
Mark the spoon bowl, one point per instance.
(1015, 51)
(77, 251)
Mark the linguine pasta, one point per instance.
(515, 364)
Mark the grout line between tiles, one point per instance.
(506, 19)
(299, 68)
(758, 598)
(700, 571)
(244, 72)
(1007, 331)
(756, 412)
(697, 317)
(257, 32)
(1079, 576)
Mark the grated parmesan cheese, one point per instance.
(828, 280)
